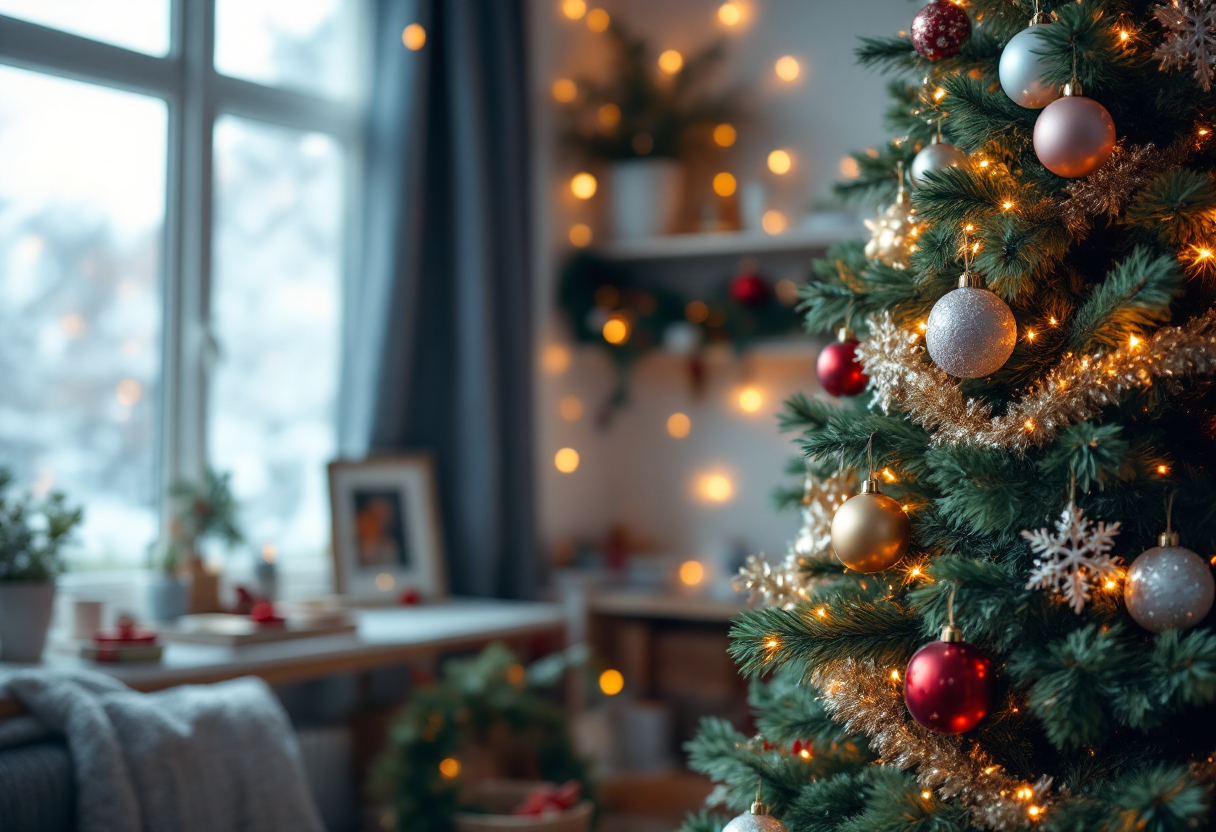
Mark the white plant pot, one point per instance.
(644, 197)
(25, 616)
(168, 597)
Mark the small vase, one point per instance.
(645, 197)
(25, 616)
(168, 597)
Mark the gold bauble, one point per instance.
(893, 235)
(871, 531)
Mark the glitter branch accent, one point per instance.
(865, 699)
(1076, 390)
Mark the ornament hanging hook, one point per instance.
(1072, 485)
(1169, 512)
(950, 632)
(1037, 18)
(870, 456)
(1073, 87)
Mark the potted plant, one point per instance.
(202, 511)
(642, 122)
(32, 536)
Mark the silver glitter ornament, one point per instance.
(1021, 70)
(757, 819)
(971, 332)
(1169, 587)
(937, 156)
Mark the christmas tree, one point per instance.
(1008, 627)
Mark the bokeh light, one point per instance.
(691, 573)
(750, 399)
(574, 9)
(564, 90)
(580, 235)
(570, 408)
(583, 185)
(566, 460)
(788, 68)
(414, 37)
(724, 184)
(679, 425)
(730, 14)
(716, 488)
(849, 168)
(725, 135)
(616, 331)
(612, 682)
(555, 359)
(773, 222)
(449, 767)
(598, 20)
(671, 62)
(610, 115)
(780, 162)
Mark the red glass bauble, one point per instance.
(948, 686)
(749, 290)
(940, 29)
(838, 371)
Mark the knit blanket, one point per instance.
(196, 758)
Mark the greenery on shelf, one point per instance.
(202, 511)
(1096, 723)
(33, 533)
(640, 111)
(486, 716)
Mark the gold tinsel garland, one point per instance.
(868, 700)
(782, 585)
(1075, 391)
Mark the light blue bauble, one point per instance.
(1022, 71)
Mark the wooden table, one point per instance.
(386, 637)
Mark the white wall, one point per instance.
(634, 473)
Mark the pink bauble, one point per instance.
(1074, 136)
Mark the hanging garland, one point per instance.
(606, 306)
(1075, 391)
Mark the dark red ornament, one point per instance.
(948, 686)
(410, 597)
(940, 29)
(750, 289)
(837, 367)
(263, 613)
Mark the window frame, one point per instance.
(197, 96)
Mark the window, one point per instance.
(174, 248)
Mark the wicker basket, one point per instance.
(505, 795)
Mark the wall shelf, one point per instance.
(730, 243)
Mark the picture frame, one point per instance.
(387, 535)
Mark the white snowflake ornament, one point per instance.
(1190, 37)
(1075, 559)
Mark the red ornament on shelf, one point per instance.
(410, 597)
(837, 367)
(948, 686)
(750, 289)
(940, 29)
(263, 613)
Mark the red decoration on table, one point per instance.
(126, 632)
(547, 799)
(948, 685)
(940, 29)
(263, 613)
(750, 289)
(837, 368)
(410, 597)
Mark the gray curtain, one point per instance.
(439, 347)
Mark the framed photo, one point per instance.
(386, 529)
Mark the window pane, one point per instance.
(142, 25)
(82, 201)
(303, 44)
(276, 312)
